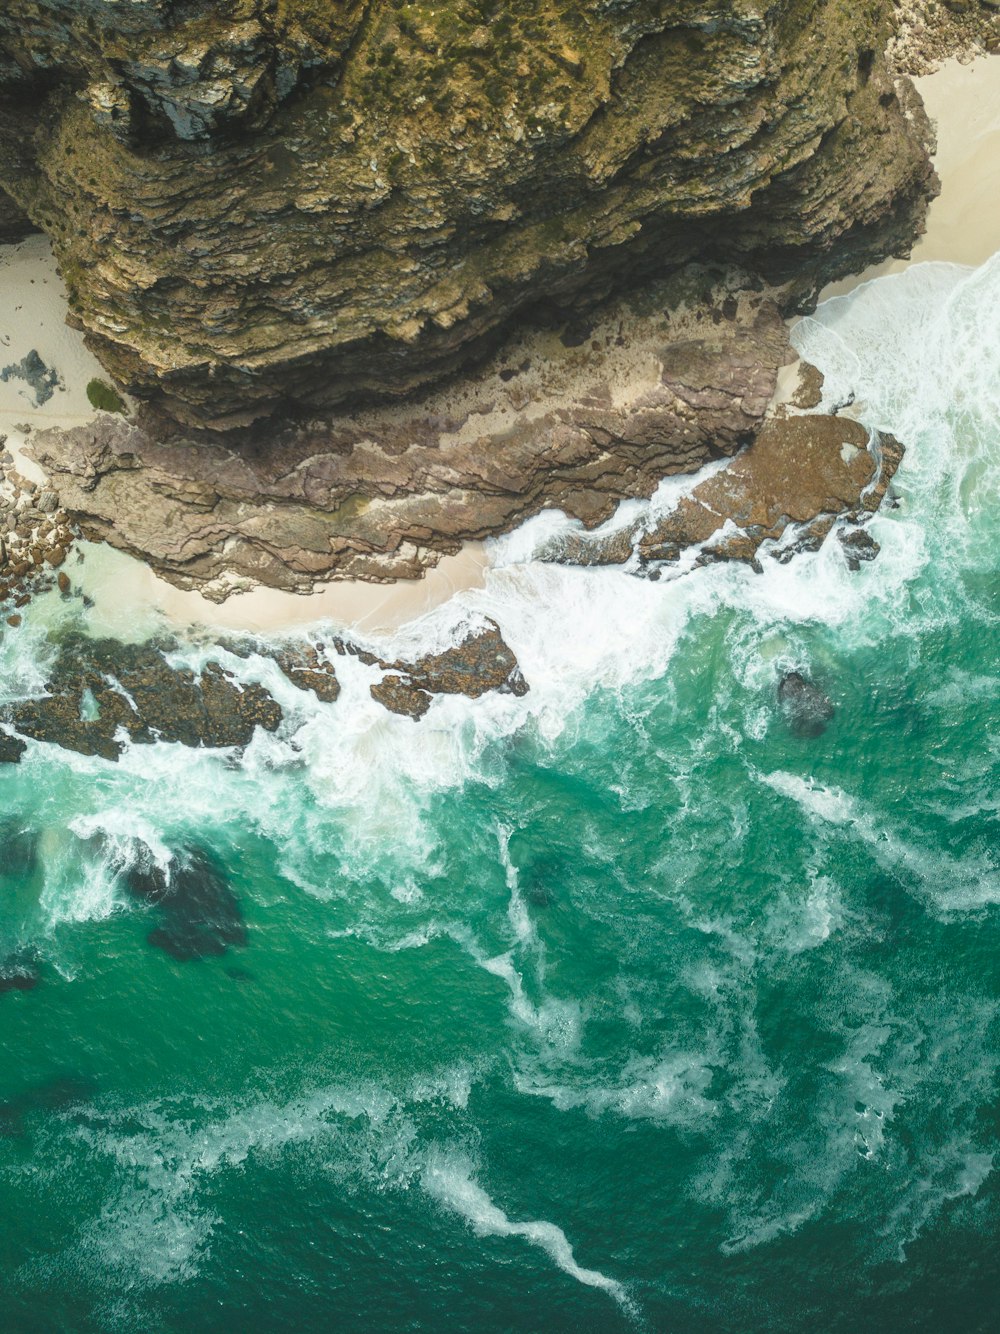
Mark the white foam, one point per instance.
(947, 883)
(449, 1178)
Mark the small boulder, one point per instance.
(807, 710)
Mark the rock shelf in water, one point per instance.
(101, 691)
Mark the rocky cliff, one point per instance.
(268, 206)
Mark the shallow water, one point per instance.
(616, 1007)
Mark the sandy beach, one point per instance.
(963, 227)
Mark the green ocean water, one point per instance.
(616, 1007)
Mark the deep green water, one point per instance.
(616, 1007)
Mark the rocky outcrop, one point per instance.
(800, 477)
(101, 690)
(102, 693)
(274, 206)
(659, 384)
(480, 663)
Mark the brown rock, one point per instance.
(804, 470)
(481, 662)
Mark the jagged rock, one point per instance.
(858, 546)
(806, 708)
(479, 663)
(267, 206)
(11, 748)
(304, 667)
(803, 470)
(100, 686)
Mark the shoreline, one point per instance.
(963, 226)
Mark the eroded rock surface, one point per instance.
(101, 691)
(660, 384)
(265, 206)
(800, 476)
(101, 686)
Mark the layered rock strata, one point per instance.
(659, 384)
(263, 207)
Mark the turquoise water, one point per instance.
(618, 1007)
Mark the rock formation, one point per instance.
(799, 477)
(658, 385)
(102, 692)
(269, 206)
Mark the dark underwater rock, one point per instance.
(19, 972)
(57, 1095)
(200, 914)
(17, 850)
(806, 708)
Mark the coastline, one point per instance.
(962, 98)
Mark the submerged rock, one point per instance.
(59, 1094)
(200, 914)
(18, 849)
(807, 710)
(19, 973)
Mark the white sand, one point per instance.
(131, 601)
(963, 224)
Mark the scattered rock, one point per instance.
(306, 668)
(35, 536)
(807, 710)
